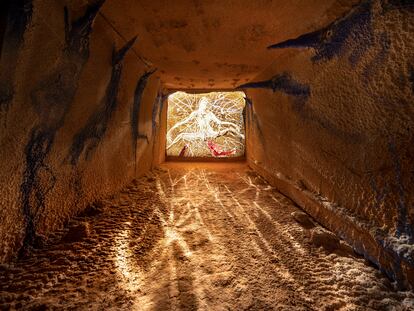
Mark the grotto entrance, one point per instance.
(205, 126)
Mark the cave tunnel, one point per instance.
(207, 155)
(205, 126)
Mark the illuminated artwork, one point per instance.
(205, 125)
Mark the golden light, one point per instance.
(205, 125)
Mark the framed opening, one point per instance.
(205, 126)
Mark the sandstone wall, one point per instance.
(76, 117)
(334, 129)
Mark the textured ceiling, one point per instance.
(216, 43)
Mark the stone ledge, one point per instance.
(366, 240)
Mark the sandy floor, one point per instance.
(200, 239)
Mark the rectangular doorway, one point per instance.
(205, 126)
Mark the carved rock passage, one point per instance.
(332, 120)
(204, 239)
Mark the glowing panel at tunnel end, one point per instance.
(208, 125)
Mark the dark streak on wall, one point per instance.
(87, 138)
(285, 83)
(19, 17)
(52, 99)
(251, 116)
(331, 40)
(136, 108)
(288, 85)
(156, 111)
(281, 82)
(156, 108)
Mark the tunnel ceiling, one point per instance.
(216, 44)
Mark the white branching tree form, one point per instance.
(203, 118)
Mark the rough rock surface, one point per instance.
(195, 239)
(62, 142)
(93, 209)
(303, 219)
(326, 239)
(334, 117)
(77, 233)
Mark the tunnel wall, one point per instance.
(334, 129)
(76, 117)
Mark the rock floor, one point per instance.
(194, 239)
